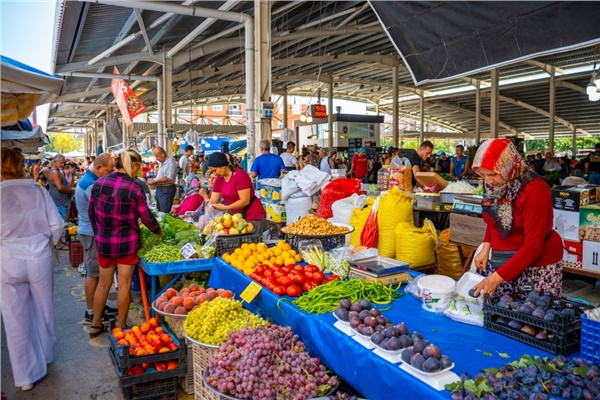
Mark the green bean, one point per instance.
(326, 298)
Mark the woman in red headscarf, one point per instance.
(517, 209)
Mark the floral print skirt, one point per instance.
(546, 279)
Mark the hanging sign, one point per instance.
(318, 110)
(129, 104)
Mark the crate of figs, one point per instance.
(544, 321)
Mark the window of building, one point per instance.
(217, 107)
(235, 110)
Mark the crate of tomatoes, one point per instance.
(291, 280)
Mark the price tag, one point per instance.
(250, 292)
(188, 250)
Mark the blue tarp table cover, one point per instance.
(368, 373)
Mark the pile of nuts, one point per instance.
(313, 225)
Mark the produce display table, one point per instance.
(154, 270)
(470, 348)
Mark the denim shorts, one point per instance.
(63, 210)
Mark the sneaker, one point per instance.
(90, 317)
(27, 388)
(110, 311)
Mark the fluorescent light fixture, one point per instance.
(591, 89)
(302, 117)
(308, 118)
(594, 97)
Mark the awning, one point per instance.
(29, 141)
(24, 88)
(440, 41)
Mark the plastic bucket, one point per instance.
(435, 292)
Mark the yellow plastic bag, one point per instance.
(416, 246)
(358, 219)
(448, 257)
(394, 207)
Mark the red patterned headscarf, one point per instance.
(501, 156)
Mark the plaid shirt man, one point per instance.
(116, 204)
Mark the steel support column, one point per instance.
(262, 64)
(330, 115)
(494, 102)
(285, 109)
(574, 149)
(422, 117)
(167, 102)
(395, 94)
(552, 109)
(478, 113)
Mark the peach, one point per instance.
(145, 327)
(212, 295)
(193, 287)
(154, 322)
(220, 291)
(177, 301)
(228, 294)
(169, 308)
(201, 290)
(171, 292)
(195, 308)
(180, 310)
(188, 303)
(171, 364)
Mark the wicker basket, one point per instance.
(201, 356)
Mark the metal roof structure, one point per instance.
(311, 43)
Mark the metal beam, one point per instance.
(494, 104)
(140, 20)
(552, 110)
(546, 67)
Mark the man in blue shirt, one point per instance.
(267, 165)
(459, 164)
(103, 165)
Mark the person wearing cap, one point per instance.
(517, 211)
(267, 165)
(360, 165)
(164, 181)
(235, 186)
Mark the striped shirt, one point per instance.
(116, 204)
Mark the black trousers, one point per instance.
(164, 198)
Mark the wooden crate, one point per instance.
(466, 229)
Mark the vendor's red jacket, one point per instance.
(530, 236)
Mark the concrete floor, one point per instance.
(82, 368)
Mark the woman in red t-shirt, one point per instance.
(235, 186)
(517, 209)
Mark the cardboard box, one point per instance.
(566, 223)
(275, 211)
(572, 252)
(571, 198)
(589, 223)
(591, 256)
(466, 229)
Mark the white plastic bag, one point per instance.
(344, 208)
(398, 162)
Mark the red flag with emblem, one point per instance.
(129, 104)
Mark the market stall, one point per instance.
(471, 348)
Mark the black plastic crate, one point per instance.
(124, 360)
(228, 244)
(163, 389)
(126, 380)
(559, 345)
(561, 325)
(328, 242)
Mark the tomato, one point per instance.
(308, 285)
(287, 269)
(293, 291)
(285, 281)
(298, 268)
(259, 270)
(279, 290)
(268, 273)
(254, 276)
(308, 275)
(278, 274)
(318, 276)
(299, 279)
(311, 268)
(331, 278)
(270, 285)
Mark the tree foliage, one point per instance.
(63, 143)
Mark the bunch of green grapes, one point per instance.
(212, 321)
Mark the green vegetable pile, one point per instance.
(163, 253)
(326, 298)
(479, 190)
(148, 240)
(445, 176)
(188, 236)
(171, 226)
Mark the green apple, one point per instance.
(233, 231)
(219, 227)
(226, 217)
(237, 217)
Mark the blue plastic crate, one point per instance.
(590, 340)
(177, 267)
